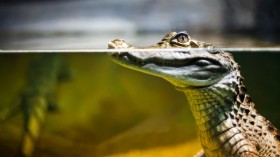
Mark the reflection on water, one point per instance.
(109, 110)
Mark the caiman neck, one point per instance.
(212, 107)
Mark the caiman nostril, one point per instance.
(111, 45)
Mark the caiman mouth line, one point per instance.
(200, 61)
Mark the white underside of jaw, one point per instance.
(164, 55)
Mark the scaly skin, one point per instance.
(227, 122)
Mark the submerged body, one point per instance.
(227, 122)
(38, 97)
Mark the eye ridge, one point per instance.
(181, 37)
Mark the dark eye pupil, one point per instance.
(182, 38)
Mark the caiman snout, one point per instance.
(117, 44)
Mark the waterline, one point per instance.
(237, 50)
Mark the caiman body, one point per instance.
(38, 96)
(227, 122)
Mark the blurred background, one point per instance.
(107, 110)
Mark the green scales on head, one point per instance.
(227, 122)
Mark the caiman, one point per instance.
(38, 96)
(227, 122)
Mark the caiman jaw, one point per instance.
(129, 58)
(198, 68)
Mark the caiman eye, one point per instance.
(181, 37)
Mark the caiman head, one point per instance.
(182, 68)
